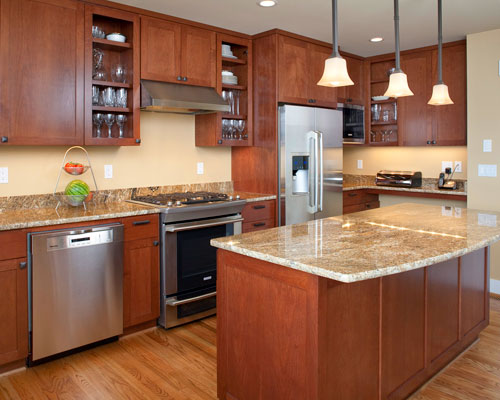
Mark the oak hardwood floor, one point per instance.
(181, 364)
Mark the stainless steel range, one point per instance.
(188, 263)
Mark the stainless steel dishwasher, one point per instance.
(77, 288)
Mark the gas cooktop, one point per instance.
(185, 198)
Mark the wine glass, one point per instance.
(225, 129)
(109, 120)
(237, 96)
(119, 73)
(230, 97)
(240, 126)
(109, 97)
(120, 121)
(121, 98)
(95, 95)
(98, 119)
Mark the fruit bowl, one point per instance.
(72, 200)
(75, 170)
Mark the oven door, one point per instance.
(189, 261)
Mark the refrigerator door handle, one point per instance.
(319, 182)
(312, 138)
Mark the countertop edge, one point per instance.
(350, 278)
(401, 189)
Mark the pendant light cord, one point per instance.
(396, 32)
(440, 42)
(335, 30)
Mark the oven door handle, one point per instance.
(195, 225)
(173, 302)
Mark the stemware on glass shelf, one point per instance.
(98, 33)
(376, 112)
(98, 72)
(121, 98)
(120, 121)
(98, 120)
(230, 97)
(95, 95)
(119, 73)
(240, 126)
(109, 97)
(109, 120)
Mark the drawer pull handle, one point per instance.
(259, 224)
(22, 265)
(259, 207)
(145, 222)
(352, 194)
(156, 243)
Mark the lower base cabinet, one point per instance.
(358, 200)
(141, 270)
(258, 215)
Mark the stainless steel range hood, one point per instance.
(180, 99)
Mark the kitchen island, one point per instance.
(363, 306)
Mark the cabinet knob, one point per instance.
(156, 243)
(138, 140)
(179, 78)
(433, 142)
(5, 139)
(428, 142)
(22, 265)
(310, 101)
(185, 78)
(219, 141)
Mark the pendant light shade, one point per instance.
(335, 73)
(440, 95)
(398, 81)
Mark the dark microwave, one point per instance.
(353, 125)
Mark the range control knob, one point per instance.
(178, 203)
(237, 197)
(170, 203)
(230, 197)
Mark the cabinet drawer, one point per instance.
(352, 197)
(257, 225)
(13, 244)
(258, 211)
(142, 226)
(360, 207)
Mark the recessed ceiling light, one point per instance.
(267, 3)
(376, 39)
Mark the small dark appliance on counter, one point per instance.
(399, 178)
(445, 182)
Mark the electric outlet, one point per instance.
(489, 170)
(487, 146)
(458, 166)
(200, 168)
(108, 171)
(4, 175)
(446, 164)
(360, 164)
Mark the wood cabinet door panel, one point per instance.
(415, 115)
(293, 70)
(473, 275)
(198, 56)
(41, 72)
(450, 121)
(323, 96)
(141, 282)
(355, 69)
(13, 311)
(160, 50)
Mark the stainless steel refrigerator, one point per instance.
(309, 163)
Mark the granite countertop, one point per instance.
(372, 243)
(429, 185)
(21, 218)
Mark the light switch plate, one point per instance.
(487, 146)
(200, 168)
(489, 170)
(4, 175)
(458, 166)
(360, 164)
(487, 220)
(446, 164)
(108, 171)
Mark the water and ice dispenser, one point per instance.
(300, 174)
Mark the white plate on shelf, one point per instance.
(380, 98)
(229, 56)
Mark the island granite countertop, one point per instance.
(371, 244)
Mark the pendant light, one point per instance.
(335, 73)
(398, 82)
(440, 95)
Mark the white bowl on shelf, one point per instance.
(230, 79)
(116, 37)
(380, 98)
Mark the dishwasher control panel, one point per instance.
(80, 240)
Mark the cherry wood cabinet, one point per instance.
(258, 215)
(141, 270)
(356, 93)
(41, 72)
(178, 53)
(358, 200)
(13, 297)
(300, 67)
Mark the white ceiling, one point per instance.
(359, 20)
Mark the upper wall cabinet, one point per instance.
(41, 72)
(172, 52)
(301, 66)
(355, 93)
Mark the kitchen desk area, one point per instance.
(368, 305)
